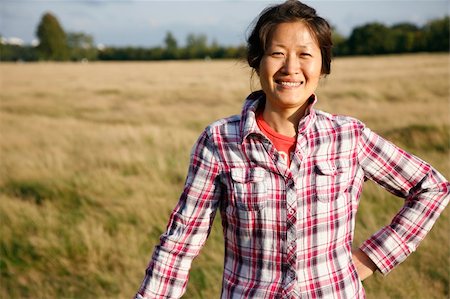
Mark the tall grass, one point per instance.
(93, 158)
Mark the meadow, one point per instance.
(94, 157)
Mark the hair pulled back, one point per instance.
(289, 11)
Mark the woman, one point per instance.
(287, 179)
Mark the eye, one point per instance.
(305, 54)
(277, 54)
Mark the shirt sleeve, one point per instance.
(188, 227)
(426, 193)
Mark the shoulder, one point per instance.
(224, 128)
(328, 120)
(215, 136)
(232, 120)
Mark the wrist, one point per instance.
(363, 264)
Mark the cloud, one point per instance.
(12, 41)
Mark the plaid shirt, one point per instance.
(288, 231)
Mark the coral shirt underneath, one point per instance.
(285, 145)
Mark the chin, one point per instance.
(292, 101)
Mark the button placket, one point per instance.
(291, 234)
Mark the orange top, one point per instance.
(285, 145)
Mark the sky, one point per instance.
(146, 23)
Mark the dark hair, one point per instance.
(289, 11)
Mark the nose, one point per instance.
(291, 65)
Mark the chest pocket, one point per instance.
(249, 188)
(331, 179)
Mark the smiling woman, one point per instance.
(287, 179)
(289, 73)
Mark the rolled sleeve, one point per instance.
(188, 228)
(386, 249)
(426, 194)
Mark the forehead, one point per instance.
(292, 33)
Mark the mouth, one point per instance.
(290, 84)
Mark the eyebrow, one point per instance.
(305, 46)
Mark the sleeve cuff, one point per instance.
(386, 249)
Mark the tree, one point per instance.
(339, 43)
(196, 46)
(17, 53)
(171, 50)
(371, 39)
(405, 36)
(437, 34)
(52, 39)
(81, 46)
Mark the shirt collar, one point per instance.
(248, 125)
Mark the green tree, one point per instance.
(216, 51)
(436, 34)
(17, 53)
(81, 46)
(339, 43)
(52, 39)
(171, 51)
(371, 39)
(196, 46)
(406, 37)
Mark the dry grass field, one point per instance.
(93, 158)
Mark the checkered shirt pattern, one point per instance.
(288, 231)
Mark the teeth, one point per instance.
(291, 84)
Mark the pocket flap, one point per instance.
(326, 168)
(247, 175)
(332, 167)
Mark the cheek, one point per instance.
(314, 71)
(262, 68)
(264, 82)
(264, 74)
(269, 67)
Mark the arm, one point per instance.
(188, 228)
(426, 193)
(364, 265)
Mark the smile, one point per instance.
(289, 84)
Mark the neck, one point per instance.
(284, 121)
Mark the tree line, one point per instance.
(377, 38)
(369, 39)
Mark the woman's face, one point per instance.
(290, 69)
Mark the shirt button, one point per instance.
(291, 212)
(292, 274)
